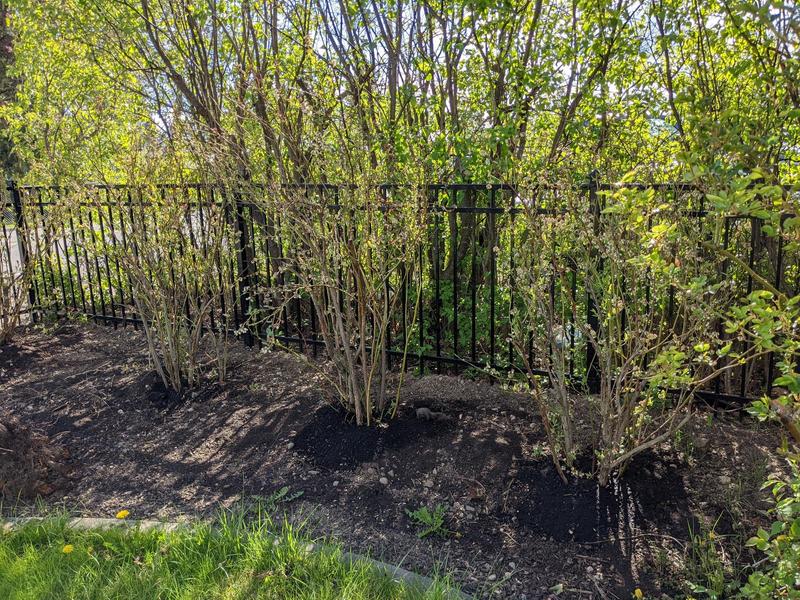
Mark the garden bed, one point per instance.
(516, 530)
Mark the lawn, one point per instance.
(234, 557)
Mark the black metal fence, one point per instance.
(464, 270)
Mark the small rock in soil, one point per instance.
(384, 481)
(44, 489)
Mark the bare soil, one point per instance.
(30, 465)
(109, 438)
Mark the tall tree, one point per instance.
(8, 88)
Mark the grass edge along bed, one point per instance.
(235, 556)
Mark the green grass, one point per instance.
(233, 558)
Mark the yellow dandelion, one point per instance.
(637, 593)
(68, 548)
(123, 514)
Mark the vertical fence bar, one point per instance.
(175, 198)
(298, 309)
(217, 258)
(312, 311)
(421, 300)
(553, 344)
(404, 304)
(778, 277)
(97, 266)
(532, 210)
(44, 296)
(222, 258)
(54, 229)
(105, 256)
(6, 258)
(75, 253)
(63, 225)
(272, 252)
(22, 244)
(46, 236)
(42, 250)
(387, 335)
(134, 248)
(723, 276)
(341, 234)
(512, 279)
(572, 312)
(473, 284)
(194, 245)
(118, 271)
(5, 206)
(437, 279)
(755, 233)
(454, 259)
(244, 263)
(492, 239)
(647, 292)
(592, 320)
(255, 275)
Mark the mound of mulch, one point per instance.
(30, 464)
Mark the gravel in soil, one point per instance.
(111, 438)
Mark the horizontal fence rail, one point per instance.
(463, 272)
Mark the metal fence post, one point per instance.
(22, 242)
(592, 320)
(245, 266)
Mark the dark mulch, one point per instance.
(30, 465)
(518, 529)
